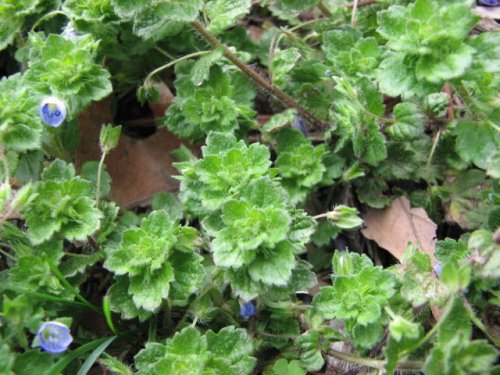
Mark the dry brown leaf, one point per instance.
(393, 227)
(139, 168)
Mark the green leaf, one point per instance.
(121, 302)
(189, 273)
(409, 122)
(158, 20)
(200, 71)
(20, 123)
(476, 142)
(284, 61)
(33, 362)
(66, 69)
(358, 295)
(226, 352)
(12, 15)
(437, 69)
(63, 205)
(89, 172)
(223, 14)
(369, 144)
(273, 267)
(89, 362)
(145, 254)
(149, 291)
(401, 327)
(283, 367)
(418, 284)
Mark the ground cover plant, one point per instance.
(338, 203)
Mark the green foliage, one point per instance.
(224, 13)
(396, 98)
(208, 99)
(299, 163)
(148, 256)
(63, 206)
(427, 44)
(20, 124)
(66, 69)
(359, 293)
(12, 16)
(455, 353)
(228, 351)
(227, 166)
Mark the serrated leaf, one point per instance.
(409, 122)
(273, 267)
(20, 123)
(148, 292)
(224, 13)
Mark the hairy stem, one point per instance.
(287, 100)
(47, 16)
(99, 176)
(172, 63)
(368, 362)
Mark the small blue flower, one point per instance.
(54, 337)
(488, 3)
(437, 269)
(52, 111)
(247, 310)
(299, 124)
(69, 33)
(328, 73)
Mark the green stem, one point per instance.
(324, 9)
(479, 324)
(10, 256)
(490, 123)
(165, 53)
(70, 287)
(434, 146)
(287, 100)
(99, 176)
(373, 363)
(47, 16)
(275, 41)
(172, 63)
(46, 297)
(448, 308)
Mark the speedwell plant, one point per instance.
(306, 115)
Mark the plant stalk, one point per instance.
(287, 100)
(99, 176)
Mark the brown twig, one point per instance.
(287, 100)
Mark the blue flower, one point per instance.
(54, 337)
(437, 269)
(52, 111)
(247, 310)
(299, 124)
(488, 3)
(328, 73)
(69, 33)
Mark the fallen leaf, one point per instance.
(139, 168)
(393, 227)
